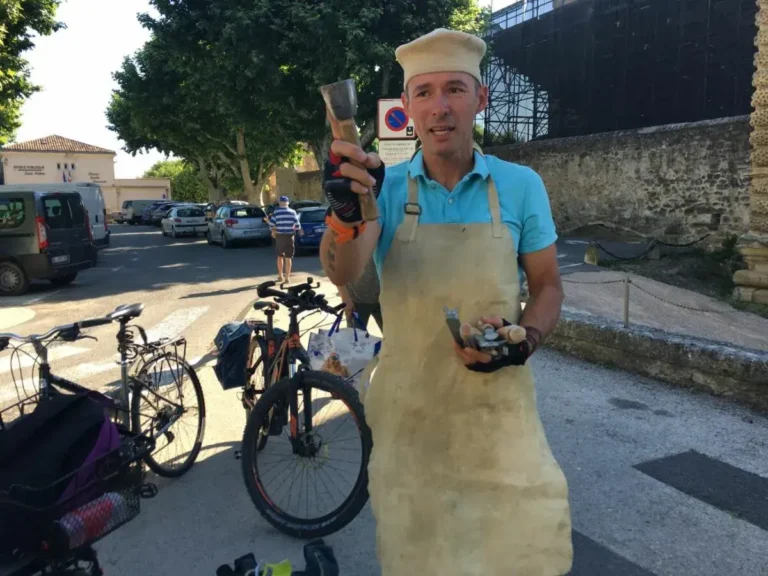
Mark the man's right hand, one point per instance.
(344, 183)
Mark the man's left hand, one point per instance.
(511, 354)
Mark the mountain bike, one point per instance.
(54, 526)
(150, 372)
(282, 395)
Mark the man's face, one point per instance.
(283, 204)
(443, 106)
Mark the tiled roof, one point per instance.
(56, 144)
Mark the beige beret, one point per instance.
(442, 51)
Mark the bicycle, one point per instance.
(139, 362)
(279, 376)
(56, 525)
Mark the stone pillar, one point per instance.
(752, 283)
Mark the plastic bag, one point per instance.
(343, 351)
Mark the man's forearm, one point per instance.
(543, 311)
(344, 263)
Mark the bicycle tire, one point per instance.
(153, 465)
(358, 497)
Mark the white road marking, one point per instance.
(25, 361)
(571, 265)
(89, 369)
(175, 324)
(26, 300)
(572, 242)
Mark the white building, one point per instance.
(57, 159)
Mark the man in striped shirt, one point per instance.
(284, 223)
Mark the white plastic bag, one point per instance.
(343, 351)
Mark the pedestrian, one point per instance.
(362, 298)
(462, 479)
(284, 224)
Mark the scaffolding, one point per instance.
(559, 68)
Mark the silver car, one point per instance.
(235, 224)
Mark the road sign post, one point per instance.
(395, 131)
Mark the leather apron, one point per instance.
(462, 479)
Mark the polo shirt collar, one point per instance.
(416, 166)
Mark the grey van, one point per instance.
(43, 236)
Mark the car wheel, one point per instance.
(64, 280)
(13, 280)
(226, 244)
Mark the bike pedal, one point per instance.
(148, 490)
(238, 454)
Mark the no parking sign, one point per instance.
(393, 123)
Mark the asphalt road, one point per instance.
(662, 481)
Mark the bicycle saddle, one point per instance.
(127, 311)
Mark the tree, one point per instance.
(186, 92)
(185, 181)
(322, 41)
(19, 19)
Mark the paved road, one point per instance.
(186, 286)
(662, 482)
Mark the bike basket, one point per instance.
(51, 519)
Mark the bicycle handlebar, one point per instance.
(70, 329)
(301, 295)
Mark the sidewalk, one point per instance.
(669, 308)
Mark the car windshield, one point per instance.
(190, 213)
(313, 216)
(247, 212)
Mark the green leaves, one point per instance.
(19, 20)
(234, 83)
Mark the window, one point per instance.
(248, 212)
(58, 165)
(63, 212)
(73, 166)
(313, 216)
(127, 203)
(12, 213)
(221, 213)
(190, 213)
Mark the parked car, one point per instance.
(43, 236)
(159, 212)
(132, 210)
(184, 220)
(234, 223)
(91, 195)
(298, 205)
(313, 226)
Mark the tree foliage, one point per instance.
(19, 20)
(234, 86)
(185, 181)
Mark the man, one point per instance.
(461, 477)
(284, 223)
(362, 298)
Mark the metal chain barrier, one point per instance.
(627, 281)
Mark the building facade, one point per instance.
(57, 159)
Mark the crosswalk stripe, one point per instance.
(21, 360)
(175, 323)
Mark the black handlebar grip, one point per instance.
(92, 322)
(264, 287)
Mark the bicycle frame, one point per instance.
(292, 351)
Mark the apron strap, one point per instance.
(406, 232)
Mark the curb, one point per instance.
(710, 366)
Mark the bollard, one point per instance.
(626, 301)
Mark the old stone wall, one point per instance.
(675, 182)
(298, 185)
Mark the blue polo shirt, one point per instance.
(525, 207)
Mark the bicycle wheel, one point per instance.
(322, 450)
(256, 386)
(153, 411)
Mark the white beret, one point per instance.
(442, 51)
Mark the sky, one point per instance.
(74, 67)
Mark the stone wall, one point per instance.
(675, 182)
(298, 185)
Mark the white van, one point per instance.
(132, 209)
(93, 200)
